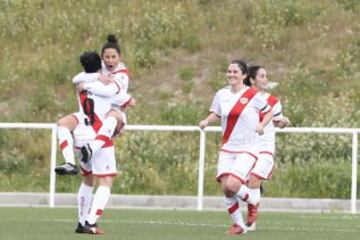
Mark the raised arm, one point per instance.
(85, 77)
(98, 88)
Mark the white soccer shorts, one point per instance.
(264, 166)
(102, 163)
(237, 165)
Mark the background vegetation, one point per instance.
(177, 52)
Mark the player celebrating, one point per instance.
(263, 169)
(115, 73)
(102, 166)
(238, 107)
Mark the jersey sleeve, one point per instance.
(121, 101)
(123, 80)
(85, 77)
(260, 104)
(277, 112)
(99, 89)
(215, 106)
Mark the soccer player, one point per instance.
(263, 169)
(115, 73)
(103, 166)
(111, 55)
(95, 104)
(238, 107)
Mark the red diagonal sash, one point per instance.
(236, 112)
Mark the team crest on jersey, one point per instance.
(244, 100)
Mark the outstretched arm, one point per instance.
(85, 77)
(100, 89)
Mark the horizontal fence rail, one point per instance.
(202, 141)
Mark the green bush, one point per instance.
(311, 48)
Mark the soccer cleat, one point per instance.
(235, 229)
(251, 227)
(86, 153)
(67, 168)
(252, 213)
(81, 229)
(93, 228)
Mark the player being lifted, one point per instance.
(112, 82)
(101, 168)
(263, 169)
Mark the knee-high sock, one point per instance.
(232, 206)
(105, 133)
(101, 198)
(66, 143)
(249, 195)
(84, 202)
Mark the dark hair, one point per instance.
(241, 64)
(112, 42)
(252, 72)
(91, 61)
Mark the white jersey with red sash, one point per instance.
(104, 98)
(121, 77)
(267, 140)
(121, 73)
(239, 114)
(266, 143)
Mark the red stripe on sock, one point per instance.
(99, 212)
(64, 144)
(246, 197)
(233, 208)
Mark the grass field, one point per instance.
(44, 223)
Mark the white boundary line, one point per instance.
(264, 226)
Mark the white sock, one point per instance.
(84, 202)
(101, 198)
(66, 143)
(233, 209)
(105, 133)
(255, 196)
(249, 195)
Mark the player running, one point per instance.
(238, 107)
(264, 166)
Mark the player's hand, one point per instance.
(284, 122)
(260, 130)
(80, 87)
(203, 124)
(106, 80)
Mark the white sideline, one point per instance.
(200, 193)
(264, 225)
(186, 203)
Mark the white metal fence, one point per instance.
(353, 131)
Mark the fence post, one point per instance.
(200, 195)
(354, 172)
(52, 166)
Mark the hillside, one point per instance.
(177, 52)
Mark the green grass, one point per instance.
(177, 53)
(44, 223)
